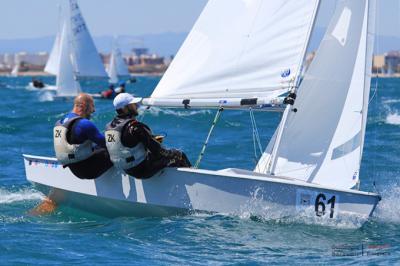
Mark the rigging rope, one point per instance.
(217, 115)
(256, 136)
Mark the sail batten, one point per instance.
(252, 44)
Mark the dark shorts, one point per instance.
(92, 167)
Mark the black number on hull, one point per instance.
(320, 205)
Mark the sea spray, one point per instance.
(388, 209)
(24, 194)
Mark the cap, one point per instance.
(123, 99)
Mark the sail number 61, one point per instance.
(320, 205)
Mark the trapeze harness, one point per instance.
(67, 153)
(123, 157)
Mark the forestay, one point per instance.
(66, 82)
(239, 52)
(322, 142)
(86, 59)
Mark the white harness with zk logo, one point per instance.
(123, 157)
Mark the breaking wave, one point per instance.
(388, 209)
(46, 97)
(278, 214)
(391, 101)
(155, 111)
(7, 197)
(393, 119)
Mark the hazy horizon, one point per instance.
(39, 18)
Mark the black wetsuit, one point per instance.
(157, 157)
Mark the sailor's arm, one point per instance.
(93, 133)
(144, 135)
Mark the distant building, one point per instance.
(392, 60)
(378, 62)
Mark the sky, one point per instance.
(39, 18)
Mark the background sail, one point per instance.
(86, 59)
(66, 82)
(322, 141)
(240, 49)
(117, 67)
(52, 63)
(54, 58)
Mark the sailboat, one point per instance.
(249, 56)
(15, 70)
(74, 56)
(117, 67)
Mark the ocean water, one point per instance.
(71, 236)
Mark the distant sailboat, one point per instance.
(74, 55)
(247, 56)
(117, 67)
(15, 70)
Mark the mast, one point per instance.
(371, 20)
(273, 160)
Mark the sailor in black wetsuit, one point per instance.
(132, 146)
(78, 143)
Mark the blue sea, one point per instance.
(70, 236)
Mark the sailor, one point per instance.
(120, 89)
(132, 146)
(37, 83)
(78, 143)
(109, 93)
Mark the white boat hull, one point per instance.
(177, 190)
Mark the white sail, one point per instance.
(112, 70)
(66, 83)
(54, 57)
(322, 142)
(117, 67)
(15, 70)
(86, 59)
(239, 49)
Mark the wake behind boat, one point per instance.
(311, 165)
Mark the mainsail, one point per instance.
(117, 67)
(239, 52)
(66, 83)
(322, 137)
(86, 59)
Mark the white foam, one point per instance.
(155, 111)
(391, 101)
(46, 96)
(388, 209)
(7, 197)
(393, 119)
